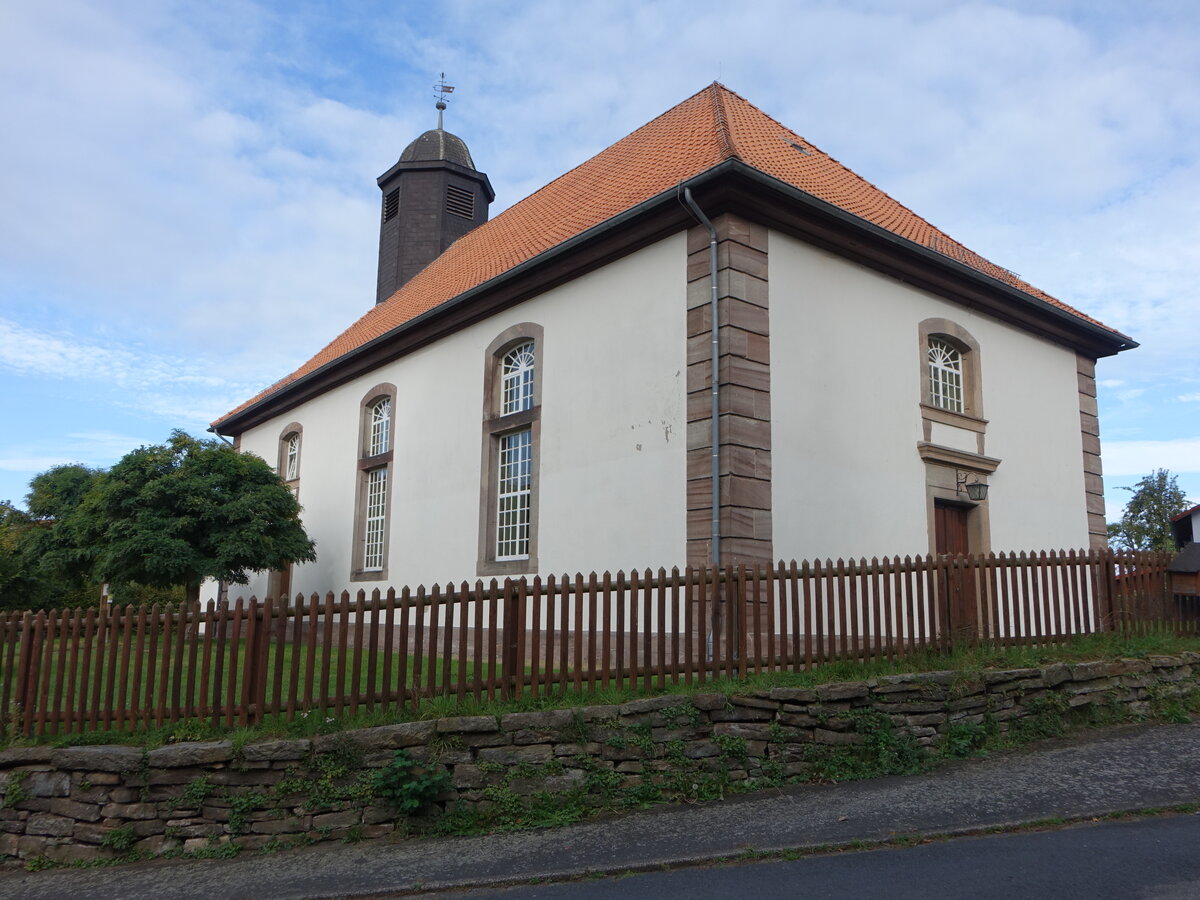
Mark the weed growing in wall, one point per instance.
(403, 787)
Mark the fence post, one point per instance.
(262, 657)
(31, 657)
(510, 639)
(1115, 599)
(1097, 564)
(24, 666)
(743, 644)
(945, 602)
(254, 661)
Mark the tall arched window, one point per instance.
(373, 499)
(511, 437)
(945, 375)
(279, 582)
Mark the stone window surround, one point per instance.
(493, 427)
(365, 464)
(958, 337)
(942, 464)
(288, 430)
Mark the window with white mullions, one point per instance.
(517, 372)
(512, 427)
(513, 496)
(375, 520)
(292, 467)
(381, 427)
(945, 375)
(372, 501)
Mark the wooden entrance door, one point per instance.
(952, 540)
(950, 523)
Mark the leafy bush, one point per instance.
(400, 785)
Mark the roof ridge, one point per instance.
(964, 255)
(724, 135)
(834, 159)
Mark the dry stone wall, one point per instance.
(93, 802)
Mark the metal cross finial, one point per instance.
(442, 90)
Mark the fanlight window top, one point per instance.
(381, 427)
(945, 375)
(517, 370)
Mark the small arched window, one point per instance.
(945, 375)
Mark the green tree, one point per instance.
(51, 546)
(180, 512)
(18, 584)
(1146, 522)
(42, 564)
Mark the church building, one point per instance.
(709, 341)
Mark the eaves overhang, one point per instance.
(731, 185)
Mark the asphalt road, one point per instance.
(1090, 775)
(1147, 858)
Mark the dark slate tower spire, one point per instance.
(431, 197)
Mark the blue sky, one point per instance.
(189, 208)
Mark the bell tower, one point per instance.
(431, 197)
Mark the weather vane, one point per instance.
(442, 90)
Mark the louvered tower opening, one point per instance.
(391, 204)
(460, 202)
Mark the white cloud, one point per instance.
(1190, 398)
(192, 391)
(1142, 457)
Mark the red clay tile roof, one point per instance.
(704, 130)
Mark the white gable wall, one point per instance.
(613, 446)
(846, 364)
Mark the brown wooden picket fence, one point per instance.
(129, 668)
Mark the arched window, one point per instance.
(373, 498)
(288, 467)
(945, 375)
(517, 371)
(951, 373)
(511, 438)
(381, 427)
(292, 457)
(279, 583)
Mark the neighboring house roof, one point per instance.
(1187, 561)
(1187, 512)
(711, 127)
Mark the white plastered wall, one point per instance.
(845, 388)
(613, 442)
